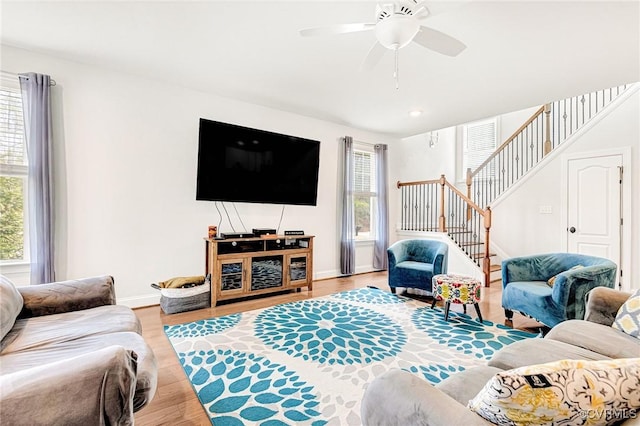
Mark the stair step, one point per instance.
(481, 255)
(470, 243)
(494, 268)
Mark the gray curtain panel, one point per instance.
(380, 259)
(347, 246)
(36, 102)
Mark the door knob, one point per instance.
(572, 230)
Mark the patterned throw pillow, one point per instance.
(562, 393)
(551, 281)
(10, 305)
(628, 316)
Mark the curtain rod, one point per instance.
(52, 82)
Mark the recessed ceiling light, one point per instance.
(415, 113)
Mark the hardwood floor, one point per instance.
(175, 402)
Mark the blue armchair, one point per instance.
(412, 263)
(525, 286)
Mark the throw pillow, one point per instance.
(10, 305)
(551, 281)
(562, 393)
(628, 316)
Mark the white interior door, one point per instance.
(594, 206)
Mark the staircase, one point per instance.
(437, 205)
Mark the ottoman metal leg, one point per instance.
(464, 308)
(478, 311)
(433, 304)
(447, 305)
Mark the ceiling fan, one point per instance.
(397, 24)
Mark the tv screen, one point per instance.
(237, 163)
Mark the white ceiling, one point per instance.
(520, 54)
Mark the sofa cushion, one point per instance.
(539, 351)
(60, 349)
(628, 316)
(10, 305)
(32, 333)
(465, 385)
(563, 392)
(596, 337)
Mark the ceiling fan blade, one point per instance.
(439, 41)
(337, 29)
(376, 53)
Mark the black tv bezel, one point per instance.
(316, 146)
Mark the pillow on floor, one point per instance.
(10, 305)
(628, 316)
(562, 393)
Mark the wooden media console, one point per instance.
(251, 266)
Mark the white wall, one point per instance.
(125, 172)
(412, 160)
(519, 228)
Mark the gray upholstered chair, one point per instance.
(526, 287)
(412, 263)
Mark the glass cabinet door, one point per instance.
(298, 268)
(266, 272)
(231, 275)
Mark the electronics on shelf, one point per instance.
(259, 232)
(229, 235)
(293, 232)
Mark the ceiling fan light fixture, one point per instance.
(397, 31)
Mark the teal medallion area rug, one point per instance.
(309, 362)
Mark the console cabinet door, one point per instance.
(266, 272)
(231, 277)
(298, 269)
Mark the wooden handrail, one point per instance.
(418, 182)
(468, 200)
(508, 141)
(443, 181)
(484, 214)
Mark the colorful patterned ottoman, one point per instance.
(454, 288)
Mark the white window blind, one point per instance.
(480, 140)
(12, 145)
(364, 193)
(13, 177)
(363, 172)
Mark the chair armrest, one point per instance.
(67, 296)
(603, 303)
(572, 286)
(440, 262)
(94, 388)
(400, 398)
(396, 253)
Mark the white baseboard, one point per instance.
(139, 301)
(335, 273)
(154, 298)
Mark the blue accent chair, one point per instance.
(412, 263)
(525, 285)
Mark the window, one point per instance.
(364, 193)
(478, 143)
(13, 175)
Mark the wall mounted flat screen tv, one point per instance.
(241, 164)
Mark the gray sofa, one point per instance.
(398, 397)
(70, 356)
